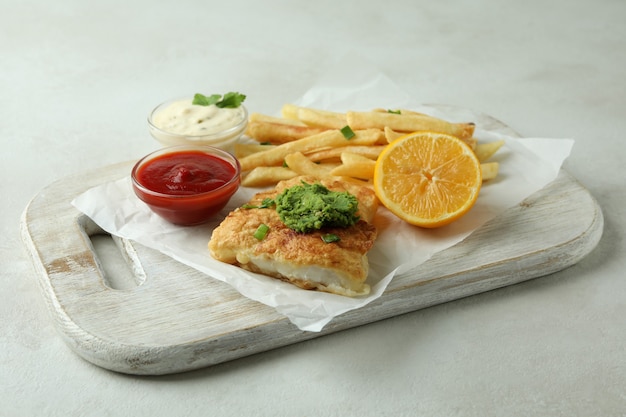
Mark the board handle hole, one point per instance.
(118, 270)
(115, 257)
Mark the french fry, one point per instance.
(359, 171)
(326, 139)
(413, 112)
(391, 134)
(279, 132)
(471, 141)
(354, 158)
(244, 149)
(262, 176)
(484, 151)
(260, 117)
(401, 111)
(290, 111)
(408, 123)
(489, 170)
(355, 166)
(314, 117)
(302, 165)
(322, 118)
(370, 152)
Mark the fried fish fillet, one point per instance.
(303, 259)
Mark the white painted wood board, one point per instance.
(178, 319)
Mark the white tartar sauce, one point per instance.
(184, 118)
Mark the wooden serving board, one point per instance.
(177, 319)
(173, 318)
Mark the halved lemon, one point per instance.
(428, 179)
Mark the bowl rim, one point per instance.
(205, 137)
(208, 149)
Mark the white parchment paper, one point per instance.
(526, 166)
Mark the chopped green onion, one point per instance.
(394, 111)
(266, 203)
(347, 132)
(330, 238)
(261, 231)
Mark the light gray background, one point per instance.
(77, 80)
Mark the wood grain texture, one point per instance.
(177, 319)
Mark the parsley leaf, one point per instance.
(230, 100)
(202, 100)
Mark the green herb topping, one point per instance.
(266, 203)
(347, 132)
(308, 207)
(330, 238)
(230, 100)
(261, 231)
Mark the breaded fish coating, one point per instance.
(304, 259)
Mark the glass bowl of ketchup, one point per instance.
(186, 185)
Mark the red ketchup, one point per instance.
(186, 187)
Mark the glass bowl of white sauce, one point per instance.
(180, 122)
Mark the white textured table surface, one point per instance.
(77, 80)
